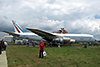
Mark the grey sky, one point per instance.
(76, 16)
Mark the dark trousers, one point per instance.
(0, 51)
(41, 54)
(4, 47)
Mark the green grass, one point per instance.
(56, 57)
(11, 43)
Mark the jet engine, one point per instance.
(63, 39)
(72, 41)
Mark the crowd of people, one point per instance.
(3, 45)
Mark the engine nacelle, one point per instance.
(72, 40)
(58, 39)
(64, 39)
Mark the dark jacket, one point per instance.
(2, 44)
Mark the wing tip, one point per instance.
(28, 28)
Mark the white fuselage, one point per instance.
(30, 36)
(76, 37)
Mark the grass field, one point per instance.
(56, 57)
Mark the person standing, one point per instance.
(2, 45)
(59, 45)
(5, 45)
(19, 43)
(0, 48)
(41, 49)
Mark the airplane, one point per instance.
(19, 33)
(65, 38)
(48, 36)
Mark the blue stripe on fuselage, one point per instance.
(29, 36)
(74, 37)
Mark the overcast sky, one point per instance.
(76, 16)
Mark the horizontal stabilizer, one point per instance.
(10, 33)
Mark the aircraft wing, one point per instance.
(45, 35)
(10, 33)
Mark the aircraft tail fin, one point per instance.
(17, 28)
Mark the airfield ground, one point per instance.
(56, 57)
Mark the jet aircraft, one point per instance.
(48, 36)
(19, 33)
(68, 38)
